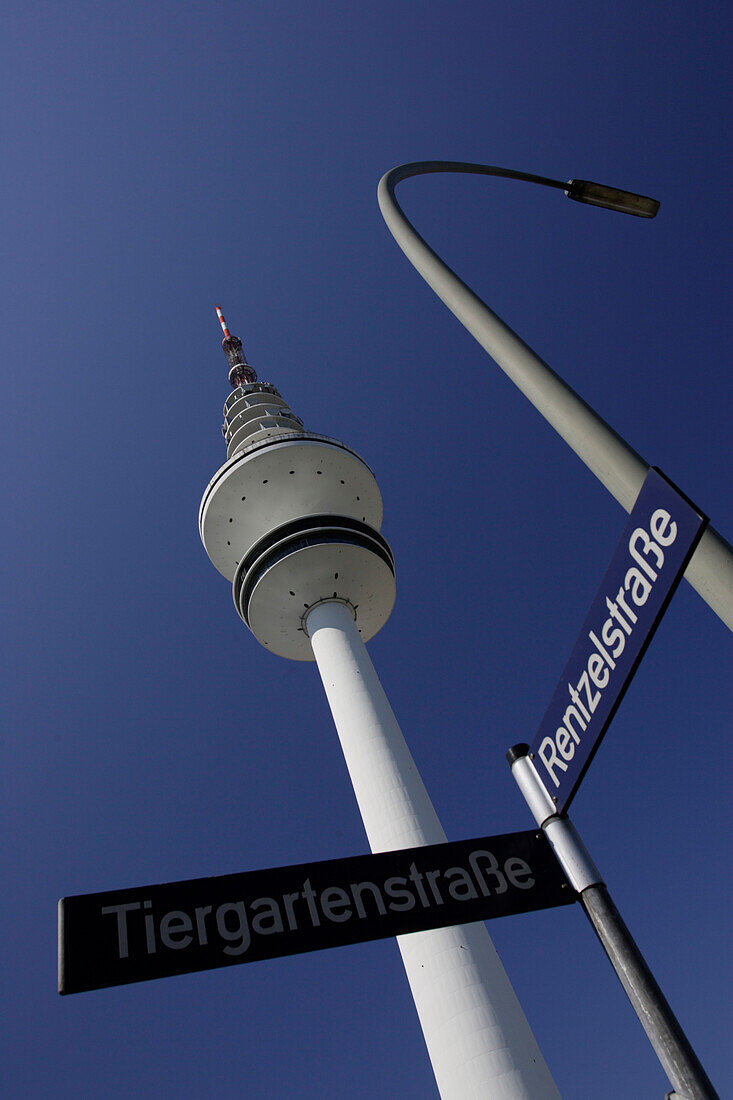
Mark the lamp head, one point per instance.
(598, 194)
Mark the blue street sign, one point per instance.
(657, 543)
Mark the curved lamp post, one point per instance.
(622, 471)
(610, 458)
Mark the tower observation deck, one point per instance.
(292, 519)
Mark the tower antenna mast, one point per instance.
(239, 369)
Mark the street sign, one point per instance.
(148, 932)
(658, 541)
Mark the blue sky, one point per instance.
(161, 158)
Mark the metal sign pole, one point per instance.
(670, 1043)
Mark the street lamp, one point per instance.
(623, 472)
(605, 453)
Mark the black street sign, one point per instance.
(148, 932)
(658, 541)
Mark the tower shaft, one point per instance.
(293, 520)
(478, 1038)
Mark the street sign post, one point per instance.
(663, 1030)
(133, 935)
(658, 541)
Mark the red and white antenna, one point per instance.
(240, 372)
(222, 322)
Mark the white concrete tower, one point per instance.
(292, 520)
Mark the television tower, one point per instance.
(292, 519)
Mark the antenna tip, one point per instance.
(222, 322)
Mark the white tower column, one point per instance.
(293, 520)
(478, 1038)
